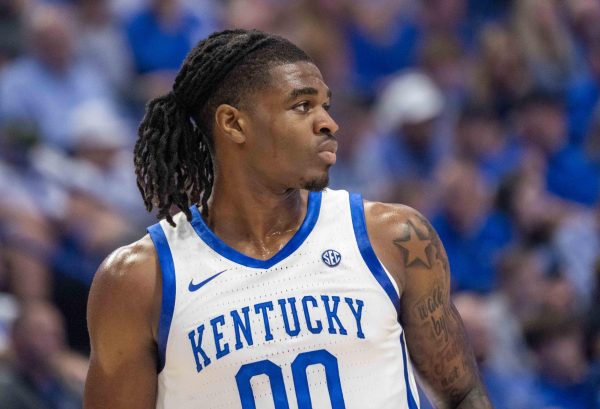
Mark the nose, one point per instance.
(325, 124)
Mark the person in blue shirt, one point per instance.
(542, 127)
(161, 35)
(563, 379)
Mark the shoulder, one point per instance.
(399, 235)
(129, 264)
(127, 287)
(392, 220)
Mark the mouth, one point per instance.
(327, 151)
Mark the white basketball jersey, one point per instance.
(315, 326)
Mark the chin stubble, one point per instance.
(317, 184)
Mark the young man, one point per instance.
(267, 290)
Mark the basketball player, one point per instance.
(267, 290)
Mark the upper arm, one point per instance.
(412, 251)
(123, 310)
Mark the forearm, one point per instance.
(476, 399)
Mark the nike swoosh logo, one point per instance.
(195, 287)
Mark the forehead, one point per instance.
(286, 78)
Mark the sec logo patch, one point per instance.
(331, 257)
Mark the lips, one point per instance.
(327, 151)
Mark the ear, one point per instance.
(231, 123)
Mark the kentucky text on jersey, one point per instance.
(297, 315)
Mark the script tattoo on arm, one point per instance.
(435, 335)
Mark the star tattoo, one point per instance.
(414, 245)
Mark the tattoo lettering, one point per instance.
(450, 378)
(414, 245)
(431, 304)
(451, 351)
(432, 312)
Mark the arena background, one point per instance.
(481, 114)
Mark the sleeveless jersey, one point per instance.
(315, 326)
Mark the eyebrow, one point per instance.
(306, 91)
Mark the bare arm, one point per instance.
(412, 251)
(123, 313)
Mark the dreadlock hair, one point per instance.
(173, 155)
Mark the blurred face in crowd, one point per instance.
(562, 358)
(466, 197)
(522, 282)
(166, 8)
(52, 39)
(559, 295)
(375, 16)
(418, 135)
(442, 58)
(585, 17)
(444, 13)
(95, 11)
(543, 12)
(501, 58)
(479, 137)
(544, 125)
(38, 335)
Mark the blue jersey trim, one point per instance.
(218, 245)
(168, 289)
(412, 404)
(366, 250)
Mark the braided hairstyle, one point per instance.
(173, 155)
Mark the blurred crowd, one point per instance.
(482, 114)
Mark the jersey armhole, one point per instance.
(361, 235)
(167, 305)
(359, 224)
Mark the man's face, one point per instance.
(290, 134)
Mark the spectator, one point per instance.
(248, 14)
(103, 44)
(101, 146)
(383, 39)
(523, 199)
(406, 145)
(447, 64)
(506, 390)
(160, 36)
(472, 233)
(482, 139)
(518, 299)
(500, 75)
(563, 378)
(542, 126)
(546, 43)
(316, 29)
(584, 16)
(44, 374)
(44, 87)
(447, 18)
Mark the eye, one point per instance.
(302, 107)
(326, 107)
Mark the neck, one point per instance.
(255, 220)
